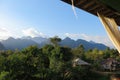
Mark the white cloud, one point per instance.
(72, 35)
(4, 33)
(98, 39)
(33, 33)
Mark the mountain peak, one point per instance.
(26, 37)
(92, 42)
(88, 45)
(1, 46)
(10, 38)
(67, 38)
(12, 43)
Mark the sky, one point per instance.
(48, 18)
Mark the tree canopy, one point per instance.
(51, 63)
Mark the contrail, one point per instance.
(73, 8)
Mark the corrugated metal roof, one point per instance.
(78, 61)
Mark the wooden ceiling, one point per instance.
(94, 6)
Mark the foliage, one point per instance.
(79, 52)
(51, 63)
(55, 40)
(4, 75)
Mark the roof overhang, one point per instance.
(94, 6)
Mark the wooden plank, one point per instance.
(80, 2)
(88, 5)
(93, 8)
(110, 15)
(106, 11)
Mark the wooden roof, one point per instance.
(94, 6)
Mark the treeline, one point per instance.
(51, 62)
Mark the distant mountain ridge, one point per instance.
(20, 43)
(38, 40)
(2, 46)
(88, 45)
(12, 43)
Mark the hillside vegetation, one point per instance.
(52, 62)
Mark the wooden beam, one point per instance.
(80, 2)
(106, 11)
(110, 15)
(94, 7)
(88, 5)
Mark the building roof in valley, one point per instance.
(78, 61)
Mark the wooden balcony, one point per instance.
(94, 6)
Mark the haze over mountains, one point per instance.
(20, 43)
(1, 46)
(88, 45)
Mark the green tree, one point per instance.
(47, 50)
(4, 75)
(79, 52)
(2, 63)
(55, 40)
(106, 53)
(94, 55)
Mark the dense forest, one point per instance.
(52, 62)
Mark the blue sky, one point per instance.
(48, 18)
